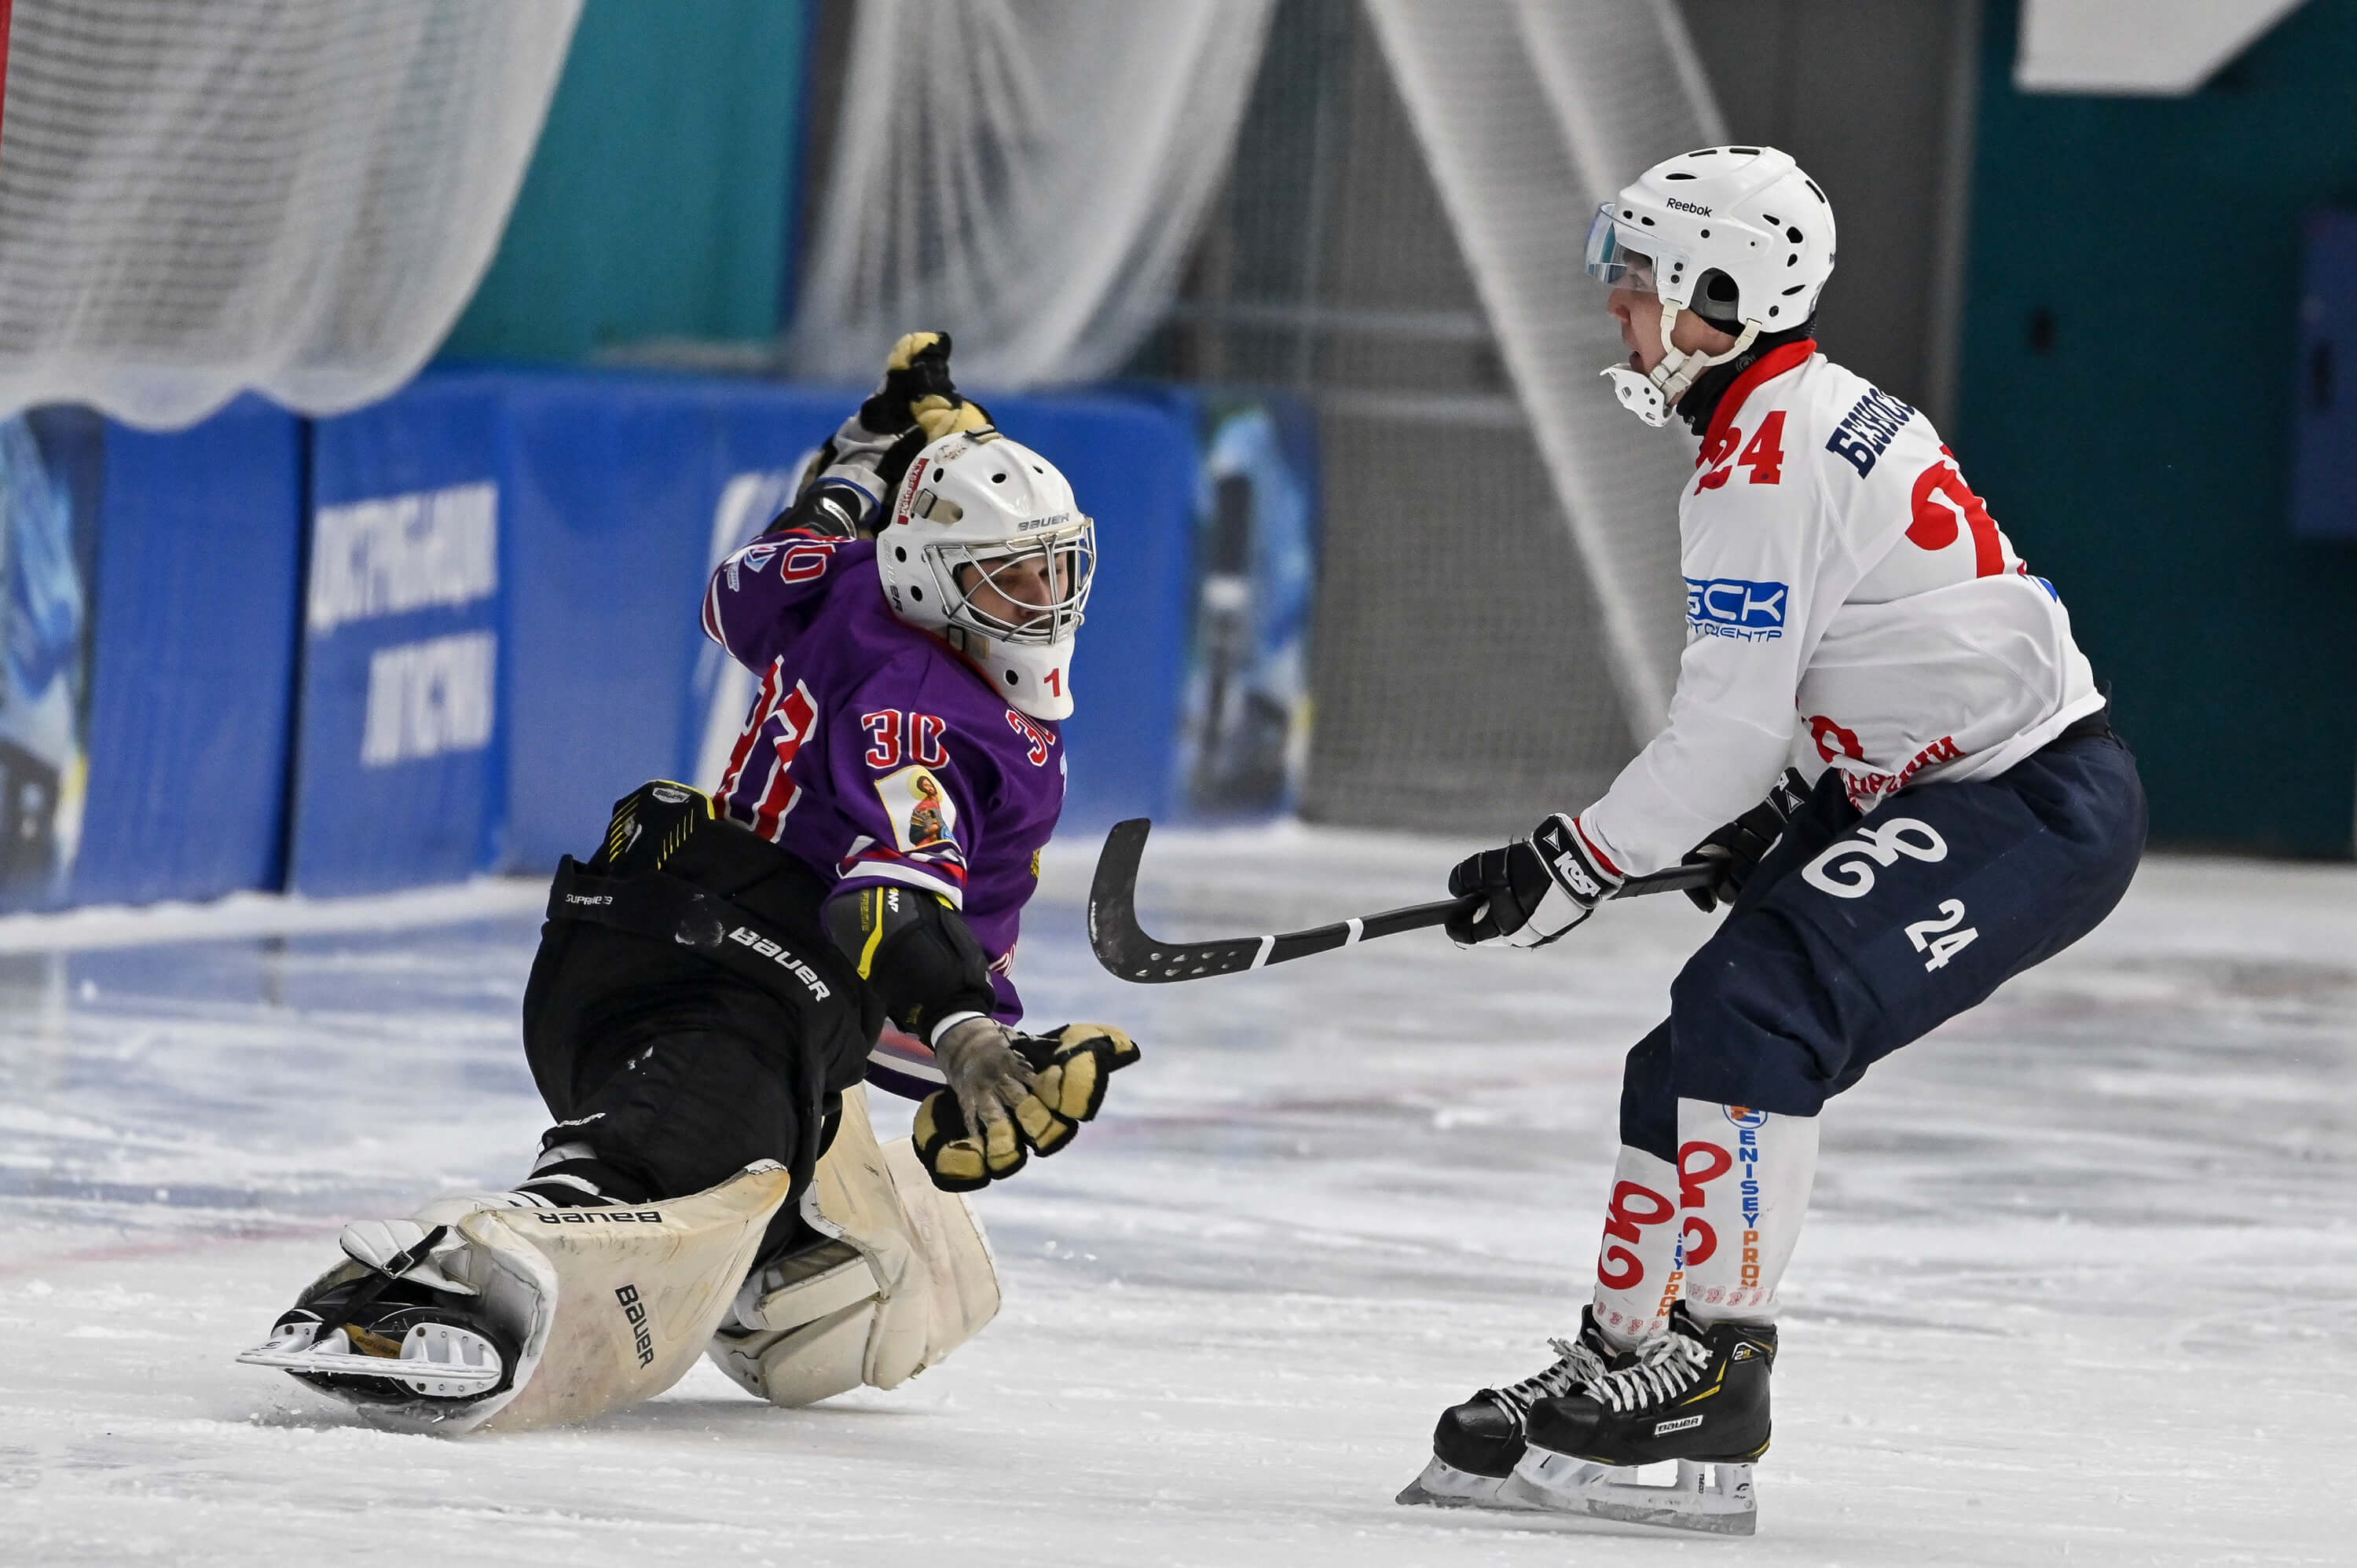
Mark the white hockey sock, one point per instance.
(1743, 1190)
(1636, 1266)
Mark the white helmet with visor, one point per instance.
(985, 548)
(1737, 235)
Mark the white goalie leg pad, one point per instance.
(905, 1278)
(602, 1306)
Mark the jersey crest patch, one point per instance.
(922, 812)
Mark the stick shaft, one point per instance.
(1125, 948)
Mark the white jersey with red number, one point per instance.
(1849, 604)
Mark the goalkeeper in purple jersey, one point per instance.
(711, 984)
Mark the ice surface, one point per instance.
(2082, 1282)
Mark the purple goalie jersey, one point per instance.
(873, 752)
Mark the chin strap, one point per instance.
(1651, 395)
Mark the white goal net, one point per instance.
(198, 196)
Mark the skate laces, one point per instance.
(1662, 1372)
(1575, 1363)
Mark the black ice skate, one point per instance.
(1697, 1395)
(1478, 1443)
(367, 1333)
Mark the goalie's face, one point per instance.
(1018, 593)
(1030, 592)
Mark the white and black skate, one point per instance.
(1477, 1444)
(381, 1331)
(1697, 1396)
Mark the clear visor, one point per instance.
(1030, 590)
(1620, 256)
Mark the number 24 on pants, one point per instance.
(1944, 937)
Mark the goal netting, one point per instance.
(1531, 114)
(198, 196)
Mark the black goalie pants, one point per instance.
(677, 1072)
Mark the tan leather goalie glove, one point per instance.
(917, 389)
(1009, 1094)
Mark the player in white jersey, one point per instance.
(1854, 613)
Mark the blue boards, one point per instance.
(502, 630)
(192, 656)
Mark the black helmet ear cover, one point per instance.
(1715, 298)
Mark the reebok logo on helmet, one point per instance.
(1687, 207)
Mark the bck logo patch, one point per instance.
(1730, 606)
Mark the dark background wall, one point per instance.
(2125, 399)
(1875, 100)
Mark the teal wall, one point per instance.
(657, 201)
(2142, 461)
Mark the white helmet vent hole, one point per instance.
(919, 594)
(899, 553)
(1791, 234)
(1012, 678)
(997, 478)
(1752, 151)
(1679, 176)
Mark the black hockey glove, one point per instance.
(917, 397)
(1737, 849)
(862, 463)
(1009, 1093)
(1532, 890)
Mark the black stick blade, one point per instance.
(1122, 947)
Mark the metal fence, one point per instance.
(1459, 676)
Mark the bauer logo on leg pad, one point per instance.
(635, 1310)
(599, 1216)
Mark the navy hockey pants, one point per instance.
(1857, 935)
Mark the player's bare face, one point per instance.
(1639, 312)
(1014, 593)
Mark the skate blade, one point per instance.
(436, 1361)
(1716, 1499)
(1444, 1486)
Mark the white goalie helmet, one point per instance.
(985, 548)
(1745, 218)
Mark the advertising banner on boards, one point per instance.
(398, 775)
